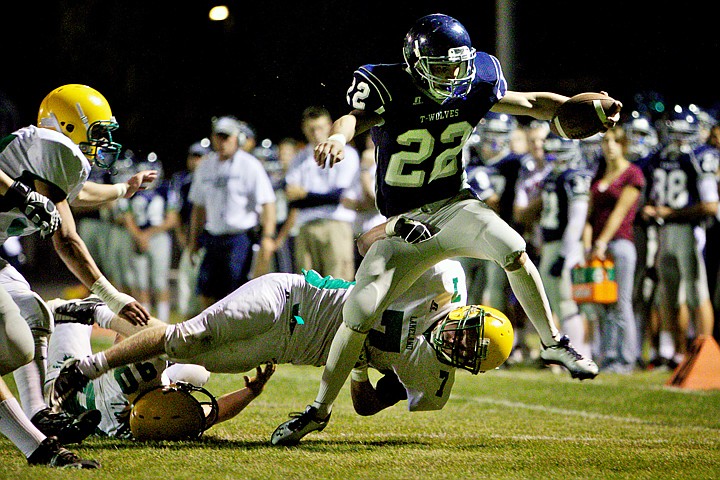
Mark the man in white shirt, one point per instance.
(324, 241)
(232, 197)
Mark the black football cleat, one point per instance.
(52, 454)
(65, 427)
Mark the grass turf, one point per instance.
(505, 424)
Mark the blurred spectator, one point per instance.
(642, 143)
(712, 255)
(285, 151)
(247, 138)
(614, 198)
(324, 241)
(188, 303)
(234, 204)
(528, 202)
(120, 245)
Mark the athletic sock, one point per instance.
(93, 365)
(528, 288)
(15, 425)
(344, 352)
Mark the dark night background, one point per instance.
(166, 69)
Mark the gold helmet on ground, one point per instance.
(171, 412)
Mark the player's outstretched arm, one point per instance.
(539, 105)
(230, 404)
(368, 400)
(96, 194)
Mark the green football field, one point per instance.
(513, 423)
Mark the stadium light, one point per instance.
(219, 13)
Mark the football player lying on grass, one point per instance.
(418, 343)
(149, 400)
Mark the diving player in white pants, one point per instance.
(292, 318)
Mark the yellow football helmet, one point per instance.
(82, 114)
(474, 337)
(171, 412)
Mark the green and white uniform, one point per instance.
(292, 318)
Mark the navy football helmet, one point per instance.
(682, 126)
(642, 136)
(492, 136)
(562, 153)
(440, 56)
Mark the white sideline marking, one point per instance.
(578, 413)
(555, 410)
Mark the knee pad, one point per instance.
(358, 310)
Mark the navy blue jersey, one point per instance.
(678, 179)
(180, 184)
(559, 190)
(503, 176)
(419, 145)
(149, 207)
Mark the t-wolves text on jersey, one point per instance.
(419, 145)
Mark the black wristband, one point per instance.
(17, 194)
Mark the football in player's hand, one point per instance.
(584, 115)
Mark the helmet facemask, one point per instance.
(459, 339)
(100, 146)
(447, 76)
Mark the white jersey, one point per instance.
(303, 171)
(293, 319)
(398, 342)
(39, 153)
(232, 192)
(111, 393)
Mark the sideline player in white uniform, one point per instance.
(291, 318)
(52, 161)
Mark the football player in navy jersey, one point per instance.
(565, 200)
(421, 112)
(682, 196)
(149, 216)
